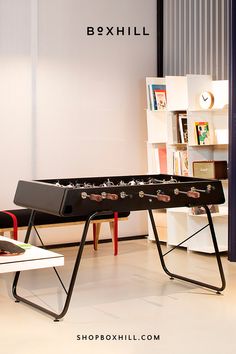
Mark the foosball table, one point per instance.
(96, 196)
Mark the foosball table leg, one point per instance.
(55, 315)
(172, 276)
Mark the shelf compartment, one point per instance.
(156, 126)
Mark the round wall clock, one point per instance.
(206, 100)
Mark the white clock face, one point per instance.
(206, 100)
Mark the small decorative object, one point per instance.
(206, 100)
(199, 210)
(10, 249)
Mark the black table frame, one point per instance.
(58, 316)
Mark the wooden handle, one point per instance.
(111, 196)
(163, 198)
(193, 194)
(95, 197)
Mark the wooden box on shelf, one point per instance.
(210, 169)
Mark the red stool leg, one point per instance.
(15, 224)
(115, 233)
(95, 244)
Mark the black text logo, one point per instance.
(117, 31)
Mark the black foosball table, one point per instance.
(98, 196)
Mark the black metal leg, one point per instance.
(177, 276)
(27, 236)
(73, 277)
(57, 316)
(217, 253)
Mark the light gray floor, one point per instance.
(124, 295)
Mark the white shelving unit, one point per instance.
(183, 94)
(157, 128)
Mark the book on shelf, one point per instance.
(184, 162)
(176, 163)
(160, 99)
(157, 97)
(202, 133)
(183, 128)
(174, 131)
(180, 162)
(158, 160)
(179, 129)
(162, 159)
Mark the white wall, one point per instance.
(82, 111)
(91, 91)
(15, 97)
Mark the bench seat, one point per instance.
(43, 220)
